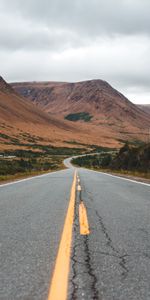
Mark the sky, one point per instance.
(76, 40)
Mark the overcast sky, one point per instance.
(73, 40)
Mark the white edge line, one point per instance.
(123, 178)
(30, 178)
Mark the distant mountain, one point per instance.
(92, 105)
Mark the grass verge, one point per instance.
(15, 167)
(23, 175)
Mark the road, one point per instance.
(102, 253)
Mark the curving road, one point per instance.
(110, 242)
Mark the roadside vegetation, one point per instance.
(34, 157)
(15, 167)
(41, 159)
(27, 161)
(130, 160)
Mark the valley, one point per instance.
(50, 121)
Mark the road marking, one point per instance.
(115, 176)
(59, 283)
(84, 226)
(79, 188)
(30, 178)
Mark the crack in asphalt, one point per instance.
(90, 269)
(109, 242)
(82, 264)
(73, 257)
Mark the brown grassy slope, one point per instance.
(19, 118)
(114, 116)
(27, 123)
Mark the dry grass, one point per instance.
(140, 176)
(10, 178)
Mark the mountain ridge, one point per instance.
(95, 86)
(96, 97)
(102, 115)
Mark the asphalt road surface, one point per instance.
(110, 242)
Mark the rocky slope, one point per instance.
(111, 115)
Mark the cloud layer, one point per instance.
(78, 40)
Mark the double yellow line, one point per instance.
(59, 283)
(84, 226)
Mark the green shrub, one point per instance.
(84, 116)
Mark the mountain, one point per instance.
(22, 123)
(92, 105)
(145, 108)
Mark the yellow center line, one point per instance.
(59, 283)
(79, 188)
(84, 226)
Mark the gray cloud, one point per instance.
(88, 17)
(24, 34)
(77, 40)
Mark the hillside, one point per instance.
(132, 158)
(145, 108)
(92, 105)
(23, 124)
